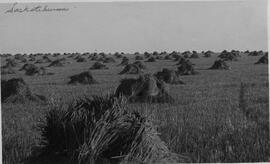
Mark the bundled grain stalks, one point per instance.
(109, 60)
(168, 76)
(263, 60)
(82, 78)
(56, 63)
(186, 54)
(32, 58)
(26, 66)
(16, 90)
(118, 55)
(98, 65)
(208, 53)
(10, 63)
(31, 69)
(229, 56)
(45, 59)
(81, 59)
(175, 54)
(131, 69)
(168, 57)
(140, 64)
(5, 55)
(139, 57)
(181, 60)
(8, 70)
(145, 88)
(102, 130)
(186, 68)
(147, 54)
(254, 53)
(220, 64)
(194, 55)
(124, 61)
(20, 57)
(149, 148)
(151, 59)
(159, 57)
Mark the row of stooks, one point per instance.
(166, 75)
(135, 68)
(117, 54)
(146, 87)
(99, 129)
(102, 57)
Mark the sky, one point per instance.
(135, 27)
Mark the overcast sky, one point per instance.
(136, 26)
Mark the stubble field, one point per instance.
(206, 123)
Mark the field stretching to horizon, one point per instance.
(218, 115)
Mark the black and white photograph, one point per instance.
(134, 82)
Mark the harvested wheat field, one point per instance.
(134, 82)
(216, 116)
